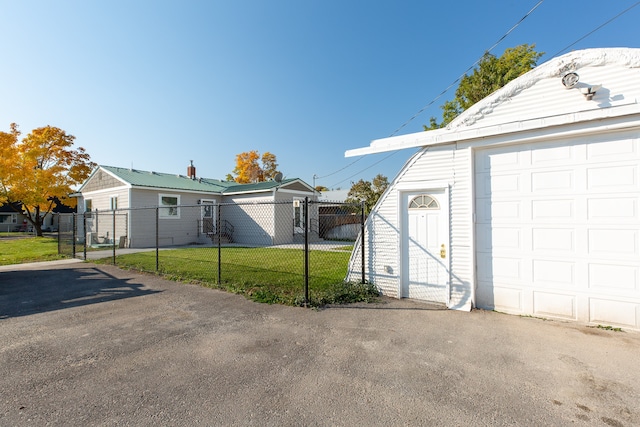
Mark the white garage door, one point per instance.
(557, 229)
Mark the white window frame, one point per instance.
(170, 212)
(12, 218)
(113, 203)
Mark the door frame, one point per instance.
(442, 189)
(213, 203)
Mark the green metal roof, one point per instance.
(138, 178)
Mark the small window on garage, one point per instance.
(424, 201)
(113, 203)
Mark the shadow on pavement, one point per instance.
(37, 291)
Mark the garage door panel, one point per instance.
(562, 181)
(553, 210)
(552, 155)
(605, 209)
(614, 178)
(599, 151)
(501, 298)
(613, 243)
(607, 277)
(555, 304)
(500, 160)
(553, 273)
(553, 239)
(614, 312)
(506, 238)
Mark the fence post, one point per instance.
(157, 237)
(74, 218)
(113, 237)
(362, 243)
(218, 230)
(306, 250)
(84, 230)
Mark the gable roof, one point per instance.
(538, 100)
(158, 180)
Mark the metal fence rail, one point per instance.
(295, 241)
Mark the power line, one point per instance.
(468, 69)
(435, 99)
(393, 153)
(596, 29)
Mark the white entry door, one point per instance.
(426, 246)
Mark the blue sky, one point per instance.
(154, 84)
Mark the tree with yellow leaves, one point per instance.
(40, 171)
(251, 167)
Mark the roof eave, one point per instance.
(442, 136)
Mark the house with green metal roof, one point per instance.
(177, 209)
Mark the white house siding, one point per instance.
(252, 221)
(172, 231)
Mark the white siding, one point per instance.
(252, 221)
(429, 168)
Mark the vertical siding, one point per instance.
(461, 226)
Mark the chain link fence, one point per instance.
(297, 244)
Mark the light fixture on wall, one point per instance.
(590, 91)
(569, 80)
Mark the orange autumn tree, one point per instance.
(251, 167)
(40, 171)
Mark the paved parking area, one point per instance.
(82, 344)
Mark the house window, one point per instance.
(87, 205)
(113, 203)
(169, 206)
(424, 201)
(8, 218)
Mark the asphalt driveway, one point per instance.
(82, 344)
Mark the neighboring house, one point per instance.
(11, 218)
(129, 190)
(14, 220)
(528, 203)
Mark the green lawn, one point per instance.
(271, 275)
(17, 251)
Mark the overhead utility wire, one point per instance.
(468, 69)
(435, 99)
(596, 29)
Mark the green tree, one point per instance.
(491, 74)
(40, 171)
(368, 191)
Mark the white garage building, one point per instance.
(527, 203)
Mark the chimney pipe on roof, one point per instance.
(191, 171)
